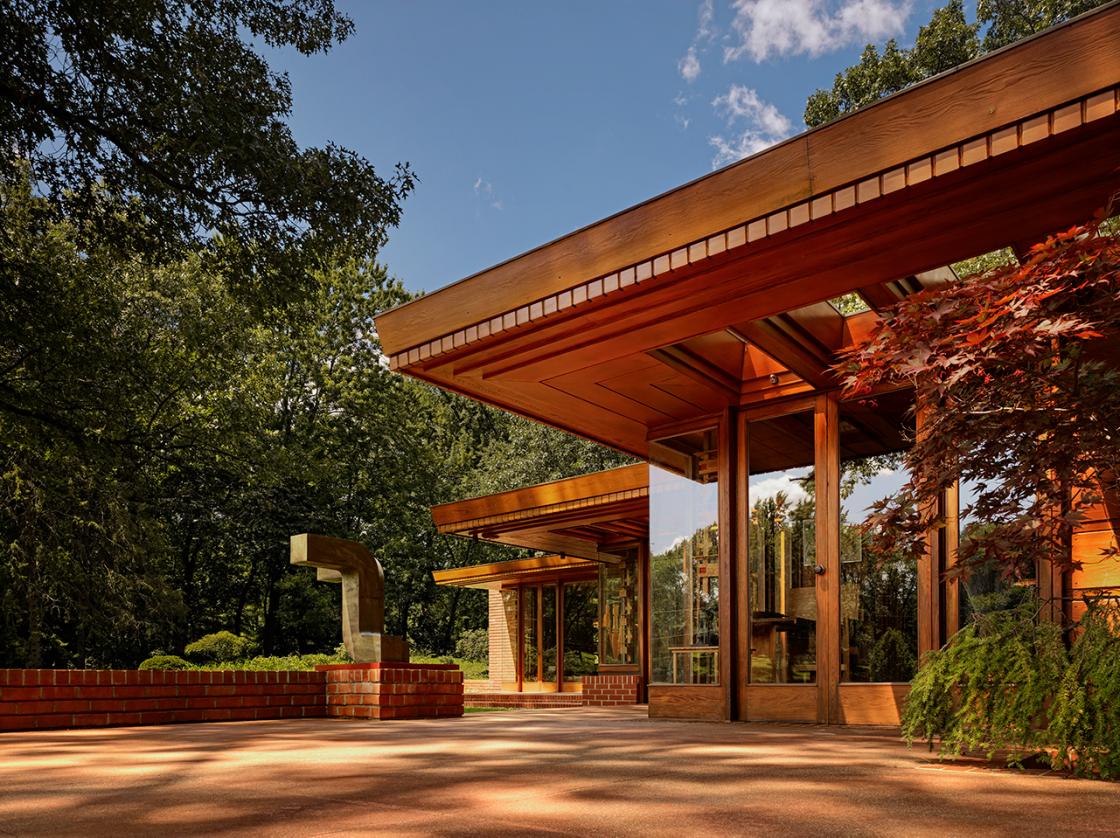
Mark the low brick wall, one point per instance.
(35, 699)
(393, 690)
(608, 690)
(540, 701)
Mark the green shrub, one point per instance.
(473, 645)
(219, 647)
(165, 662)
(279, 663)
(1006, 682)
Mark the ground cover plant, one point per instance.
(1007, 684)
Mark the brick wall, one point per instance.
(607, 690)
(393, 690)
(539, 701)
(502, 628)
(33, 699)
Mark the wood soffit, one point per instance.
(486, 575)
(1029, 92)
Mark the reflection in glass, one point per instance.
(878, 591)
(782, 551)
(618, 627)
(985, 587)
(684, 559)
(531, 666)
(548, 633)
(581, 641)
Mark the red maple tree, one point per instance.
(1017, 374)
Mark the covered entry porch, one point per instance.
(699, 329)
(559, 621)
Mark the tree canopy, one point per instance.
(159, 126)
(946, 41)
(1018, 385)
(159, 444)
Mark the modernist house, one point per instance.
(696, 331)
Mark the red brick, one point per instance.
(22, 693)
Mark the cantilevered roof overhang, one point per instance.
(588, 517)
(714, 294)
(496, 574)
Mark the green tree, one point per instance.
(158, 126)
(948, 40)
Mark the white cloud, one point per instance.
(689, 66)
(767, 28)
(740, 102)
(705, 29)
(767, 125)
(786, 483)
(484, 189)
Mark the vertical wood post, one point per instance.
(929, 575)
(742, 563)
(952, 531)
(826, 423)
(728, 600)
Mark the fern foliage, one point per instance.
(1008, 683)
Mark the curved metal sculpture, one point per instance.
(363, 594)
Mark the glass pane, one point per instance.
(684, 559)
(782, 551)
(530, 669)
(878, 591)
(618, 627)
(548, 633)
(581, 639)
(984, 587)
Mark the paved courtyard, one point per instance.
(580, 772)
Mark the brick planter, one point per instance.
(393, 690)
(609, 690)
(35, 699)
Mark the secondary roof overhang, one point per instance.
(587, 517)
(497, 574)
(712, 294)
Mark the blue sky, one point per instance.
(527, 120)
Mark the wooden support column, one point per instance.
(827, 470)
(929, 566)
(951, 586)
(742, 564)
(728, 601)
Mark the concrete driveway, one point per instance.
(578, 772)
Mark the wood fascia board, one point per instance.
(571, 490)
(584, 516)
(1075, 59)
(675, 312)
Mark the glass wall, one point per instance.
(684, 559)
(548, 633)
(581, 641)
(781, 548)
(530, 667)
(618, 625)
(878, 590)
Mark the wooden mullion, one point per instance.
(827, 472)
(728, 606)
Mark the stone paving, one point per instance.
(574, 771)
